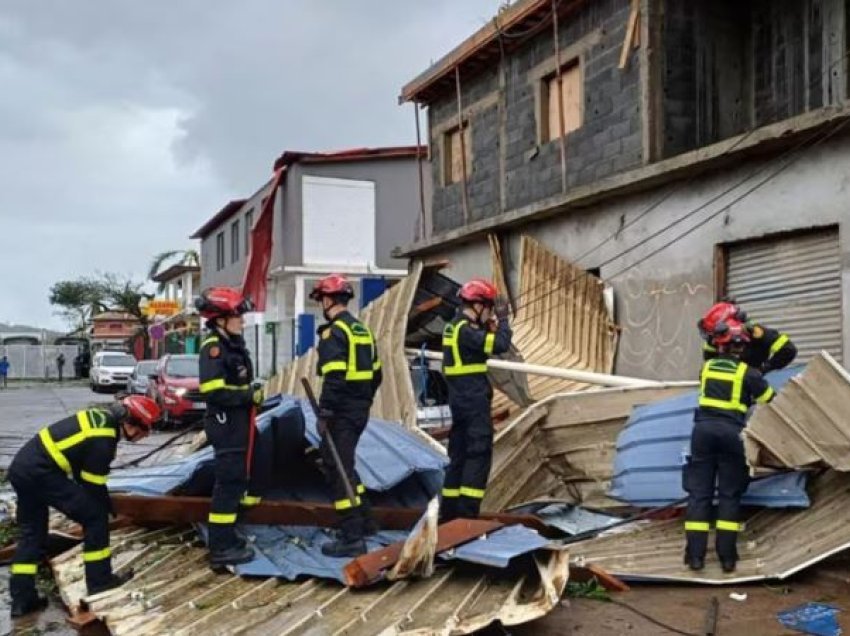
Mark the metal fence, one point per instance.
(38, 361)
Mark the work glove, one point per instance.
(765, 368)
(501, 308)
(257, 394)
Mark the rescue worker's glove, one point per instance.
(501, 308)
(258, 396)
(765, 368)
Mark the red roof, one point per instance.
(220, 217)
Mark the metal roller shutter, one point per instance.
(792, 284)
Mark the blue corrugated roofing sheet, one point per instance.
(652, 446)
(499, 547)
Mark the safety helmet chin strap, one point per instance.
(477, 313)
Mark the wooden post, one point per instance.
(651, 89)
(503, 122)
(462, 146)
(561, 123)
(425, 230)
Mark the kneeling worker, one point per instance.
(351, 371)
(478, 331)
(728, 387)
(65, 467)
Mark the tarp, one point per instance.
(655, 441)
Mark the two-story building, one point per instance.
(179, 330)
(334, 212)
(683, 150)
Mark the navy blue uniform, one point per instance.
(768, 349)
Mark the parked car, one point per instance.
(139, 378)
(110, 370)
(174, 386)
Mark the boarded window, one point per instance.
(219, 251)
(572, 102)
(455, 152)
(234, 241)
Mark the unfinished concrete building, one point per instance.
(682, 150)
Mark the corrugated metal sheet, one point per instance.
(174, 592)
(561, 321)
(792, 284)
(563, 447)
(807, 425)
(653, 444)
(773, 545)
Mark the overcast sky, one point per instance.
(124, 124)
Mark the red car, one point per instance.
(174, 386)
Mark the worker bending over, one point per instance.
(767, 350)
(349, 365)
(728, 387)
(478, 331)
(226, 381)
(65, 467)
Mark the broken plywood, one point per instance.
(561, 320)
(387, 318)
(806, 426)
(773, 545)
(563, 447)
(175, 592)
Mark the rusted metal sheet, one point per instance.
(368, 568)
(806, 426)
(174, 592)
(773, 545)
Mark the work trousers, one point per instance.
(470, 457)
(38, 490)
(228, 432)
(717, 456)
(346, 428)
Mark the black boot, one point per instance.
(728, 565)
(344, 547)
(236, 555)
(695, 563)
(27, 605)
(116, 580)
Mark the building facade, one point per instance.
(335, 212)
(703, 154)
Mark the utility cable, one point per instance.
(651, 619)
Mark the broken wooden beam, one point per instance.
(368, 568)
(589, 571)
(169, 509)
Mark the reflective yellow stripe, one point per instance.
(55, 453)
(731, 526)
(475, 493)
(352, 373)
(450, 340)
(361, 489)
(696, 526)
(98, 480)
(219, 383)
(714, 370)
(376, 365)
(97, 555)
(25, 568)
(223, 518)
(209, 340)
(250, 500)
(767, 396)
(54, 448)
(71, 440)
(333, 365)
(781, 341)
(451, 492)
(345, 504)
(101, 432)
(709, 348)
(489, 343)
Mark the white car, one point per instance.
(110, 369)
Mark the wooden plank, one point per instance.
(630, 34)
(367, 569)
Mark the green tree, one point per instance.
(180, 257)
(78, 300)
(124, 294)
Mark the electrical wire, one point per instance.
(649, 618)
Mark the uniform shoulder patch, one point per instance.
(215, 352)
(758, 332)
(326, 333)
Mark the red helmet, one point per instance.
(332, 285)
(478, 290)
(730, 331)
(141, 411)
(218, 302)
(719, 312)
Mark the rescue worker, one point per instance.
(768, 349)
(227, 384)
(478, 331)
(65, 467)
(728, 388)
(351, 371)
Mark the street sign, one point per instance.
(162, 307)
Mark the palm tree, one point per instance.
(189, 258)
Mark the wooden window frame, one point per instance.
(446, 149)
(543, 100)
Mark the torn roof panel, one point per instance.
(652, 446)
(806, 425)
(499, 547)
(773, 545)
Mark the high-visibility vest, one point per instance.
(361, 363)
(453, 363)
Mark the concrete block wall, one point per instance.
(609, 140)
